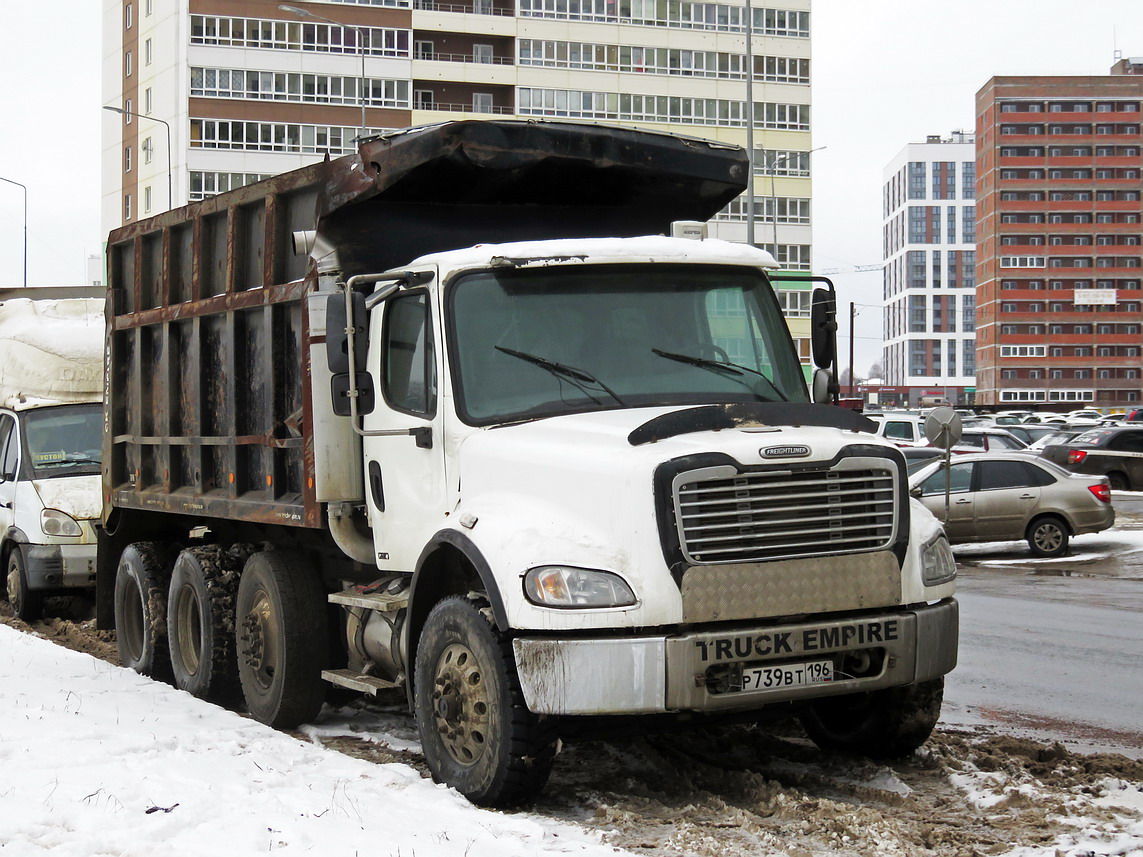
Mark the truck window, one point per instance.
(541, 341)
(64, 440)
(9, 459)
(409, 373)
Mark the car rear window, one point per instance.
(1091, 437)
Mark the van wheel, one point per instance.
(476, 733)
(1048, 536)
(880, 724)
(283, 638)
(26, 603)
(141, 584)
(200, 623)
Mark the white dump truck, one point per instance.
(51, 429)
(479, 413)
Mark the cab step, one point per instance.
(382, 601)
(357, 681)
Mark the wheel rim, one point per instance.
(1049, 537)
(131, 632)
(188, 624)
(460, 704)
(262, 628)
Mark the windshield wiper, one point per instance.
(560, 369)
(720, 366)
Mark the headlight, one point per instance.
(938, 565)
(564, 586)
(56, 523)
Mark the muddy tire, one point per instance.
(141, 584)
(283, 639)
(476, 733)
(1048, 536)
(1119, 481)
(200, 623)
(881, 724)
(26, 604)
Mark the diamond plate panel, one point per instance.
(789, 587)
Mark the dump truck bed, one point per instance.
(208, 384)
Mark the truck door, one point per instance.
(404, 470)
(9, 465)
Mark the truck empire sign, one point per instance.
(746, 646)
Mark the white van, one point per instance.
(51, 421)
(903, 429)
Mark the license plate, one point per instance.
(787, 675)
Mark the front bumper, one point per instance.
(702, 670)
(59, 566)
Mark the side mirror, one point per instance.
(339, 390)
(823, 327)
(915, 491)
(823, 386)
(337, 336)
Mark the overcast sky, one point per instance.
(885, 73)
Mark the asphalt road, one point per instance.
(1054, 649)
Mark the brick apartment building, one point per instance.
(1059, 308)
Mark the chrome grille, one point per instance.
(754, 517)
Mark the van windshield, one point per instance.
(64, 440)
(538, 342)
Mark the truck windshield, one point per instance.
(64, 440)
(539, 342)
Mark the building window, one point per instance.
(482, 54)
(126, 206)
(204, 184)
(126, 159)
(147, 101)
(482, 102)
(298, 87)
(128, 112)
(147, 199)
(148, 148)
(127, 63)
(147, 52)
(128, 16)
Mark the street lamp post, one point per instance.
(170, 191)
(773, 195)
(749, 124)
(306, 13)
(2, 179)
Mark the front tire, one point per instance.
(1048, 536)
(283, 639)
(26, 603)
(477, 735)
(200, 623)
(880, 724)
(141, 584)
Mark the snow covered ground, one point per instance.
(96, 760)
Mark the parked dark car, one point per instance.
(1114, 452)
(1007, 496)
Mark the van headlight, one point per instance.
(567, 586)
(937, 563)
(56, 523)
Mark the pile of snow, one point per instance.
(51, 351)
(98, 760)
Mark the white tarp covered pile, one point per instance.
(51, 351)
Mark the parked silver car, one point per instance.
(997, 497)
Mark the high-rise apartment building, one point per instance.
(929, 248)
(244, 89)
(1059, 256)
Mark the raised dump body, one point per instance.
(209, 381)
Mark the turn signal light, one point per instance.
(1075, 456)
(1101, 492)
